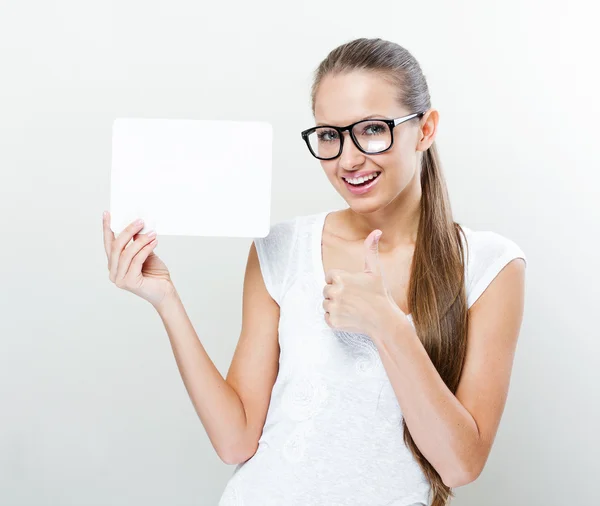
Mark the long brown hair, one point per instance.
(436, 294)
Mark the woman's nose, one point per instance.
(350, 155)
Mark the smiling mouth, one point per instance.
(362, 181)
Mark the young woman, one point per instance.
(377, 341)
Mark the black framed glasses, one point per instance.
(371, 136)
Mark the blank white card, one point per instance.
(192, 177)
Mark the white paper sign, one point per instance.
(192, 177)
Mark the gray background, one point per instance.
(92, 408)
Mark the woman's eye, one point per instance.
(373, 129)
(327, 135)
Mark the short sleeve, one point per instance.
(488, 253)
(274, 252)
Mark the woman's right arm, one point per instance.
(232, 410)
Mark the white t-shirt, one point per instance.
(333, 432)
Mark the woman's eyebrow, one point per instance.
(381, 116)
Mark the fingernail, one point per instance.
(151, 234)
(139, 222)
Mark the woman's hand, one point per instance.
(360, 302)
(134, 267)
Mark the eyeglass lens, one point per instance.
(371, 136)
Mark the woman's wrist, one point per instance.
(392, 323)
(169, 301)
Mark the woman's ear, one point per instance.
(427, 130)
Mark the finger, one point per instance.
(333, 276)
(131, 251)
(109, 236)
(135, 269)
(372, 252)
(129, 231)
(328, 319)
(330, 292)
(119, 243)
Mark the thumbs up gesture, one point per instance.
(360, 302)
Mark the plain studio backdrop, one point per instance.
(92, 408)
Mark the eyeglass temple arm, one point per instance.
(406, 118)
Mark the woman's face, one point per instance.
(345, 99)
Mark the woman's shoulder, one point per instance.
(278, 249)
(483, 245)
(487, 252)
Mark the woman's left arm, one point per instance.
(455, 432)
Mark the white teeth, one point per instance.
(360, 180)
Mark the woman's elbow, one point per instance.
(236, 456)
(463, 476)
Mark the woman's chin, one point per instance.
(364, 206)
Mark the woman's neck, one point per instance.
(399, 223)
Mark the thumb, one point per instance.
(372, 252)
